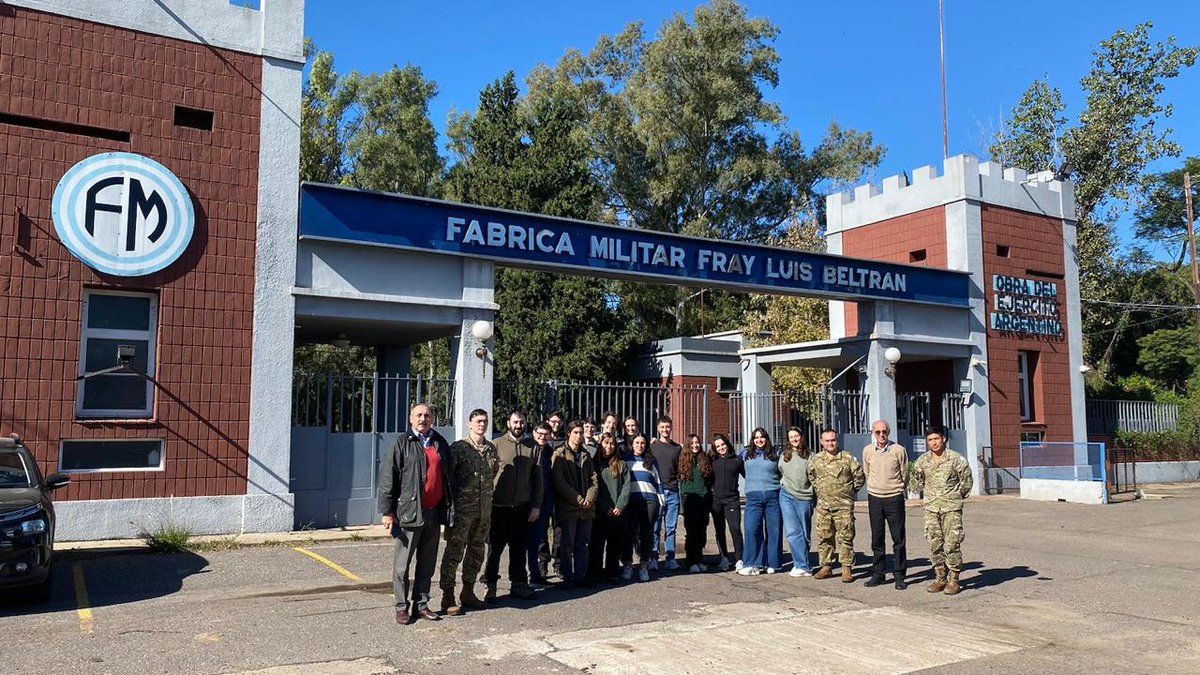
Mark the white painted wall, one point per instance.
(1074, 491)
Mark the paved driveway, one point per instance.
(1049, 588)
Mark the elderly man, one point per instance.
(416, 496)
(886, 466)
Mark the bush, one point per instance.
(1159, 446)
(166, 539)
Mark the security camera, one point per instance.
(125, 354)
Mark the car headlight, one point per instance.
(35, 526)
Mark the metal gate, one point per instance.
(685, 404)
(340, 423)
(842, 411)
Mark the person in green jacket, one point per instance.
(575, 492)
(695, 490)
(608, 529)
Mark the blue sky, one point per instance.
(870, 65)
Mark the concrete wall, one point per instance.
(1167, 472)
(1078, 492)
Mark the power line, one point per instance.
(1146, 306)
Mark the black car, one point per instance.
(26, 521)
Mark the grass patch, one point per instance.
(166, 539)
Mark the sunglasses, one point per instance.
(883, 431)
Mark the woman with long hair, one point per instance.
(645, 501)
(727, 502)
(575, 494)
(796, 500)
(763, 523)
(695, 491)
(608, 530)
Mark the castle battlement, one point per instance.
(963, 177)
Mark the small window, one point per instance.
(194, 118)
(1032, 436)
(118, 330)
(728, 385)
(916, 256)
(1001, 250)
(1026, 363)
(110, 455)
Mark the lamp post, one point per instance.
(482, 330)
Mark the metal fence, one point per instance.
(1060, 461)
(1107, 417)
(842, 411)
(367, 403)
(685, 404)
(917, 411)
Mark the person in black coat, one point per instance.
(726, 504)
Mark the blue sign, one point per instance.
(123, 214)
(330, 213)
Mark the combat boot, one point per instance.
(939, 584)
(490, 595)
(449, 607)
(824, 573)
(847, 575)
(952, 584)
(469, 600)
(522, 591)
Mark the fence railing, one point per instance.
(1064, 461)
(844, 411)
(1106, 417)
(917, 411)
(685, 404)
(367, 403)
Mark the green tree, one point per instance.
(325, 102)
(1169, 356)
(683, 139)
(529, 155)
(392, 144)
(1105, 152)
(1161, 218)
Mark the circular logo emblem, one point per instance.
(123, 214)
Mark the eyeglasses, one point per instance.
(880, 431)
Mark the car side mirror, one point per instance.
(56, 480)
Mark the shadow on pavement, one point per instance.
(110, 580)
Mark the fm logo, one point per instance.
(123, 214)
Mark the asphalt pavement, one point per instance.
(1048, 588)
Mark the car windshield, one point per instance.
(15, 471)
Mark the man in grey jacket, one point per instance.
(416, 497)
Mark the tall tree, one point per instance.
(393, 144)
(530, 156)
(684, 140)
(325, 102)
(1105, 152)
(1161, 218)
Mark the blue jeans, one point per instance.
(763, 525)
(797, 525)
(667, 524)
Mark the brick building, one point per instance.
(97, 93)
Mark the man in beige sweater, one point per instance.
(886, 466)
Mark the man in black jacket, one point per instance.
(416, 497)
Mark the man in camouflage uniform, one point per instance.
(836, 477)
(474, 462)
(944, 477)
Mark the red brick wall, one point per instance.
(1035, 251)
(71, 71)
(894, 240)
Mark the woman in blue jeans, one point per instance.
(796, 500)
(763, 525)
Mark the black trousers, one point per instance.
(608, 542)
(640, 517)
(728, 514)
(889, 510)
(696, 509)
(510, 527)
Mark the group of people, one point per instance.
(571, 500)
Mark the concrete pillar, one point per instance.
(756, 401)
(474, 369)
(878, 386)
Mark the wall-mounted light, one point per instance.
(977, 362)
(1085, 368)
(892, 356)
(482, 330)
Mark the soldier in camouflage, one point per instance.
(474, 463)
(836, 477)
(944, 477)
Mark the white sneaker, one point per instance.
(654, 565)
(694, 569)
(672, 565)
(748, 571)
(797, 572)
(771, 570)
(738, 566)
(644, 574)
(724, 565)
(627, 573)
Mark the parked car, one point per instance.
(26, 522)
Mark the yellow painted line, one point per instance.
(329, 563)
(81, 599)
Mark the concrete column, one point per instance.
(473, 375)
(756, 403)
(878, 386)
